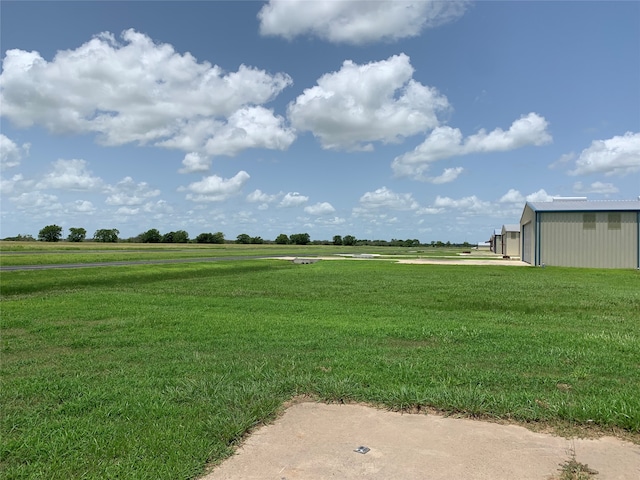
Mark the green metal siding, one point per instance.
(564, 240)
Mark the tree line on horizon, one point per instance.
(54, 233)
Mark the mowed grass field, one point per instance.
(42, 253)
(152, 371)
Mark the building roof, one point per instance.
(497, 231)
(512, 227)
(585, 205)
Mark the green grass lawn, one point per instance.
(152, 371)
(50, 253)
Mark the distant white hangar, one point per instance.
(574, 232)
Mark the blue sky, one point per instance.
(382, 120)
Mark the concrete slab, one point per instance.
(317, 441)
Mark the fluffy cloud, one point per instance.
(429, 211)
(36, 202)
(248, 127)
(195, 162)
(293, 199)
(448, 175)
(619, 155)
(595, 187)
(468, 205)
(333, 221)
(359, 104)
(127, 211)
(323, 208)
(346, 21)
(514, 196)
(385, 198)
(215, 188)
(10, 153)
(82, 206)
(157, 209)
(144, 92)
(128, 192)
(445, 142)
(71, 175)
(259, 196)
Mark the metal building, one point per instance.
(496, 241)
(511, 240)
(581, 233)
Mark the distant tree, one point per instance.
(77, 234)
(106, 235)
(151, 236)
(337, 240)
(205, 238)
(243, 238)
(20, 238)
(300, 238)
(349, 240)
(218, 237)
(257, 240)
(282, 239)
(181, 236)
(50, 233)
(466, 244)
(173, 237)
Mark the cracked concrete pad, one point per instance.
(317, 441)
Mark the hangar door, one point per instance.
(526, 242)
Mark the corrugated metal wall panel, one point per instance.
(513, 244)
(565, 242)
(498, 246)
(528, 217)
(510, 246)
(527, 231)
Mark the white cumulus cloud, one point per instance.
(595, 187)
(215, 188)
(356, 22)
(385, 198)
(448, 175)
(82, 206)
(16, 184)
(514, 196)
(468, 205)
(11, 154)
(445, 142)
(128, 192)
(36, 202)
(71, 175)
(619, 155)
(195, 162)
(141, 91)
(293, 199)
(360, 104)
(258, 196)
(248, 127)
(323, 208)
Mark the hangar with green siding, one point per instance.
(575, 232)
